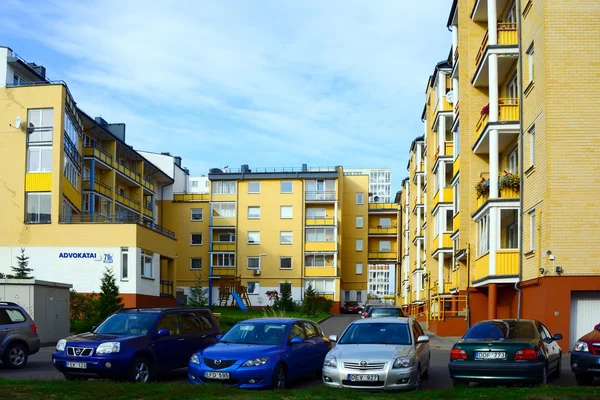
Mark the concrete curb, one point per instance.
(325, 319)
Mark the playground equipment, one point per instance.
(231, 286)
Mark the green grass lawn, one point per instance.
(100, 390)
(232, 315)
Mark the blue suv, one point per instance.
(137, 344)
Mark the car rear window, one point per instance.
(15, 316)
(501, 330)
(387, 312)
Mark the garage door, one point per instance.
(585, 314)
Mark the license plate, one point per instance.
(597, 360)
(360, 378)
(216, 375)
(490, 355)
(78, 365)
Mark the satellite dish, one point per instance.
(450, 96)
(18, 122)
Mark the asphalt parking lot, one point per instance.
(40, 364)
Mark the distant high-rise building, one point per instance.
(380, 183)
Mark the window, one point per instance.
(253, 262)
(71, 172)
(359, 198)
(321, 285)
(223, 210)
(39, 125)
(38, 208)
(15, 316)
(513, 94)
(86, 174)
(456, 143)
(286, 212)
(170, 322)
(449, 220)
(253, 237)
(146, 262)
(253, 288)
(68, 209)
(385, 222)
(253, 212)
(284, 284)
(483, 234)
(39, 159)
(532, 230)
(223, 187)
(359, 245)
(314, 260)
(513, 162)
(196, 239)
(530, 62)
(320, 234)
(448, 174)
(285, 237)
(285, 262)
(436, 224)
(72, 130)
(190, 323)
(197, 214)
(310, 329)
(457, 198)
(359, 268)
(196, 263)
(226, 237)
(509, 223)
(194, 184)
(223, 260)
(346, 295)
(254, 187)
(287, 186)
(313, 213)
(124, 263)
(297, 331)
(385, 246)
(359, 222)
(358, 295)
(532, 146)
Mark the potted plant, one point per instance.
(482, 187)
(509, 181)
(485, 110)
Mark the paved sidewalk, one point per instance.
(441, 342)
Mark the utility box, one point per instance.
(46, 302)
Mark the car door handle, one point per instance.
(6, 329)
(181, 340)
(203, 336)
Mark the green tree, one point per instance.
(285, 302)
(198, 294)
(309, 305)
(84, 311)
(109, 301)
(21, 271)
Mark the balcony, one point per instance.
(383, 255)
(320, 271)
(507, 266)
(166, 288)
(116, 219)
(444, 246)
(507, 51)
(447, 287)
(456, 222)
(190, 197)
(98, 187)
(129, 173)
(148, 211)
(148, 184)
(320, 196)
(449, 149)
(383, 231)
(222, 246)
(330, 246)
(456, 166)
(216, 271)
(320, 221)
(504, 193)
(127, 201)
(448, 196)
(91, 151)
(376, 208)
(479, 12)
(507, 126)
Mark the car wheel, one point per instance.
(279, 377)
(418, 380)
(459, 383)
(71, 377)
(584, 379)
(544, 379)
(140, 370)
(15, 356)
(426, 373)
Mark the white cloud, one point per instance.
(233, 82)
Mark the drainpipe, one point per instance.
(521, 169)
(468, 255)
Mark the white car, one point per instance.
(379, 353)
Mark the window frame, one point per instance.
(192, 239)
(531, 133)
(257, 258)
(192, 214)
(531, 62)
(383, 250)
(281, 208)
(359, 245)
(124, 264)
(281, 187)
(361, 224)
(357, 268)
(360, 198)
(38, 205)
(532, 230)
(40, 150)
(250, 184)
(192, 259)
(281, 258)
(254, 241)
(281, 236)
(253, 208)
(144, 254)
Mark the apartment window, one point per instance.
(513, 162)
(358, 295)
(359, 245)
(359, 222)
(286, 187)
(223, 260)
(86, 174)
(253, 212)
(359, 268)
(196, 239)
(313, 213)
(449, 220)
(194, 184)
(385, 222)
(253, 288)
(436, 224)
(39, 159)
(38, 208)
(456, 143)
(532, 146)
(321, 285)
(223, 210)
(436, 181)
(532, 230)
(483, 234)
(359, 198)
(124, 263)
(226, 237)
(509, 222)
(72, 130)
(530, 62)
(197, 214)
(285, 262)
(457, 197)
(39, 125)
(86, 202)
(320, 234)
(253, 187)
(314, 260)
(253, 262)
(196, 263)
(71, 172)
(448, 174)
(223, 187)
(346, 295)
(146, 262)
(285, 237)
(286, 212)
(68, 209)
(253, 237)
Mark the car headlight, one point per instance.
(108, 348)
(402, 362)
(60, 346)
(330, 361)
(195, 359)
(256, 362)
(581, 346)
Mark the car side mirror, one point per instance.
(296, 340)
(597, 327)
(423, 339)
(333, 338)
(558, 336)
(93, 328)
(163, 332)
(219, 337)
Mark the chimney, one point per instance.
(39, 69)
(177, 161)
(304, 168)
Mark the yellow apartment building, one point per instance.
(508, 150)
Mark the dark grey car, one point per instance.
(18, 335)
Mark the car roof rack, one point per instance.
(8, 303)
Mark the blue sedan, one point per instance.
(262, 353)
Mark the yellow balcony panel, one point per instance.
(134, 176)
(383, 255)
(436, 198)
(482, 199)
(328, 296)
(147, 212)
(320, 271)
(223, 271)
(456, 166)
(187, 197)
(148, 184)
(448, 195)
(506, 50)
(449, 149)
(383, 231)
(482, 267)
(38, 182)
(320, 221)
(222, 221)
(456, 222)
(98, 187)
(446, 240)
(126, 201)
(98, 154)
(447, 287)
(507, 264)
(507, 126)
(223, 246)
(509, 193)
(383, 207)
(455, 279)
(71, 193)
(320, 246)
(224, 197)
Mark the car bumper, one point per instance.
(585, 363)
(388, 379)
(490, 371)
(34, 346)
(104, 367)
(244, 378)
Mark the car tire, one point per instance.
(426, 373)
(584, 379)
(418, 379)
(141, 370)
(279, 380)
(72, 377)
(460, 383)
(15, 356)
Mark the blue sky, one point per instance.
(264, 83)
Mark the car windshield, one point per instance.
(377, 333)
(256, 333)
(136, 324)
(387, 312)
(501, 330)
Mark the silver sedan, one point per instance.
(378, 353)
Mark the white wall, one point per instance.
(144, 285)
(203, 184)
(163, 162)
(4, 68)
